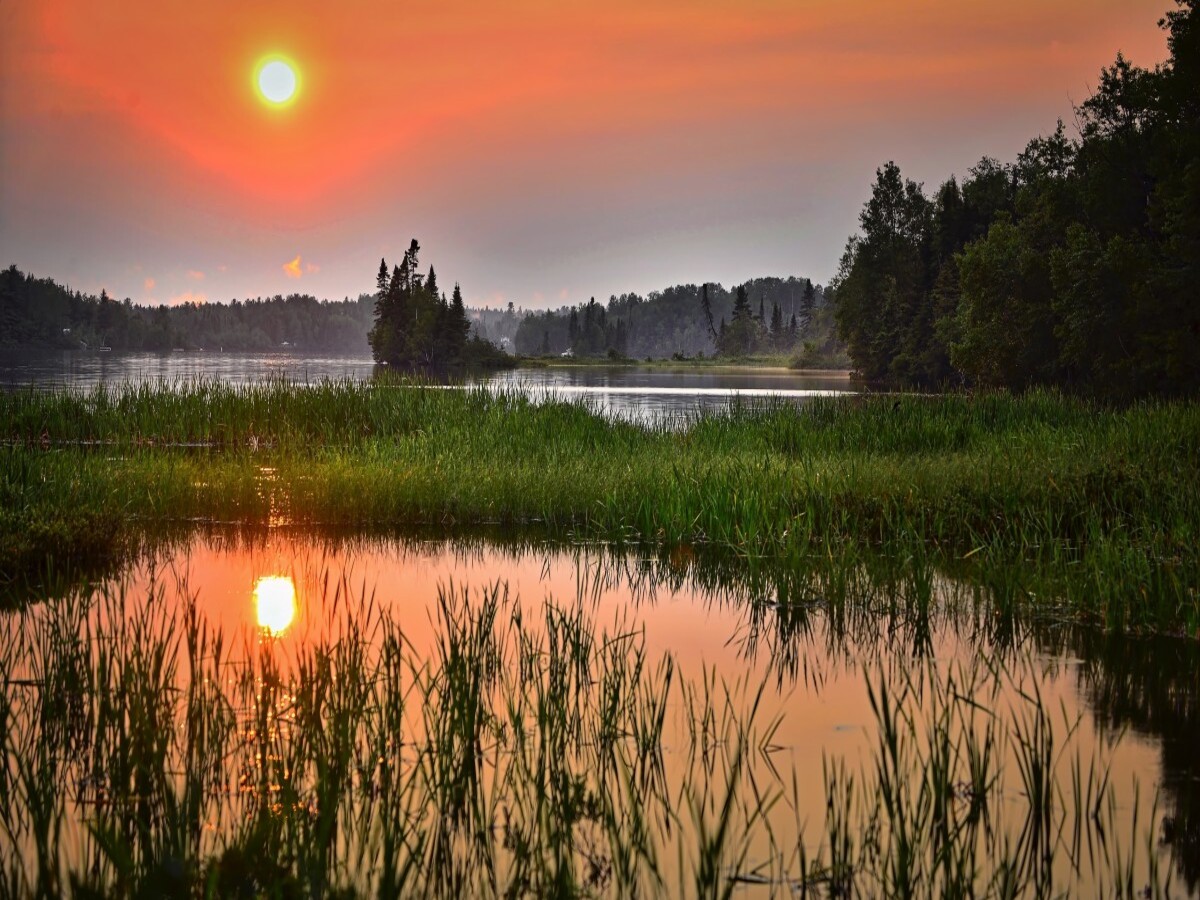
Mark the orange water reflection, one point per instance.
(815, 666)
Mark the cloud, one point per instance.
(188, 297)
(564, 294)
(148, 284)
(298, 268)
(195, 274)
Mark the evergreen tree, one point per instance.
(808, 304)
(708, 313)
(416, 327)
(460, 325)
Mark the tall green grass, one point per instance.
(1050, 499)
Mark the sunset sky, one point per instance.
(542, 152)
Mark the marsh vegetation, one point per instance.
(1047, 500)
(947, 570)
(469, 740)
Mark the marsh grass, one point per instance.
(527, 751)
(1046, 499)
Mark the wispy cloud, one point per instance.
(195, 274)
(148, 284)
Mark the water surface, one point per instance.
(1119, 708)
(638, 394)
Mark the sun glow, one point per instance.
(275, 603)
(276, 80)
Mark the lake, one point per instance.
(740, 690)
(641, 394)
(458, 712)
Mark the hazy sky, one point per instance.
(542, 151)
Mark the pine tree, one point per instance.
(460, 325)
(382, 337)
(708, 315)
(381, 280)
(808, 304)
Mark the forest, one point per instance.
(38, 312)
(765, 316)
(1077, 265)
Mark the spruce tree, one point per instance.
(460, 325)
(808, 304)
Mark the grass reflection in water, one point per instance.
(531, 749)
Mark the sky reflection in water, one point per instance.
(1105, 695)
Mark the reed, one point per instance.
(528, 751)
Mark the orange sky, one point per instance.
(540, 151)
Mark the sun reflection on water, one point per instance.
(275, 602)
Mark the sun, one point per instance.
(275, 603)
(276, 80)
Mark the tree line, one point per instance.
(793, 317)
(40, 313)
(1076, 265)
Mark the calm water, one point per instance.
(636, 394)
(1122, 706)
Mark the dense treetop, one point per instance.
(1078, 264)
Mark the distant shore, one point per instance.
(754, 363)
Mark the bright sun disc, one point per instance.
(275, 603)
(277, 81)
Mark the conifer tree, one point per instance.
(460, 325)
(808, 304)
